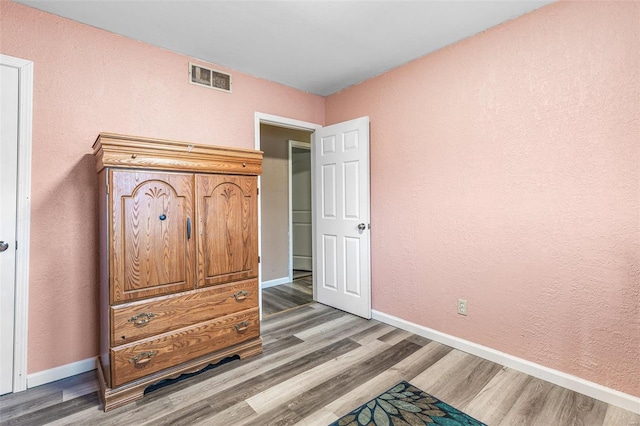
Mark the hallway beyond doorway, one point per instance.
(287, 296)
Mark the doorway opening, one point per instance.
(341, 259)
(285, 204)
(286, 252)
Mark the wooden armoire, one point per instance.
(178, 260)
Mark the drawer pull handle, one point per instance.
(240, 295)
(243, 326)
(141, 319)
(143, 358)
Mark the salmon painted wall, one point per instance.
(89, 81)
(505, 170)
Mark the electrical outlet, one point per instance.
(462, 307)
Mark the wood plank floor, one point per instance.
(287, 296)
(318, 364)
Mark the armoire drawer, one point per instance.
(129, 362)
(139, 320)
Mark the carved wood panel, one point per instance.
(152, 251)
(227, 219)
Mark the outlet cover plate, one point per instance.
(462, 307)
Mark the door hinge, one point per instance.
(258, 191)
(107, 187)
(258, 259)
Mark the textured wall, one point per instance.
(274, 186)
(87, 81)
(505, 169)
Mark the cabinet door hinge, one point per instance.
(258, 259)
(107, 187)
(258, 191)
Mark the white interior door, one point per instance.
(341, 215)
(9, 104)
(300, 212)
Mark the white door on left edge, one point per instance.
(8, 192)
(341, 213)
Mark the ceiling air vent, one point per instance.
(209, 78)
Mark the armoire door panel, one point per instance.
(152, 248)
(227, 214)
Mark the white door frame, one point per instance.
(301, 145)
(288, 123)
(25, 114)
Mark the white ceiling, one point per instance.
(316, 46)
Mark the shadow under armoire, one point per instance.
(178, 260)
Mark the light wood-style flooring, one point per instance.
(287, 296)
(318, 364)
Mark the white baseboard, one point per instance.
(574, 383)
(303, 263)
(271, 283)
(62, 372)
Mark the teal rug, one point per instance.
(406, 405)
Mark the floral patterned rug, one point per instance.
(406, 405)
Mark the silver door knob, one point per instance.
(3, 246)
(362, 227)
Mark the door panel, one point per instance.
(352, 266)
(8, 185)
(329, 191)
(227, 211)
(341, 176)
(301, 224)
(329, 275)
(351, 190)
(152, 243)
